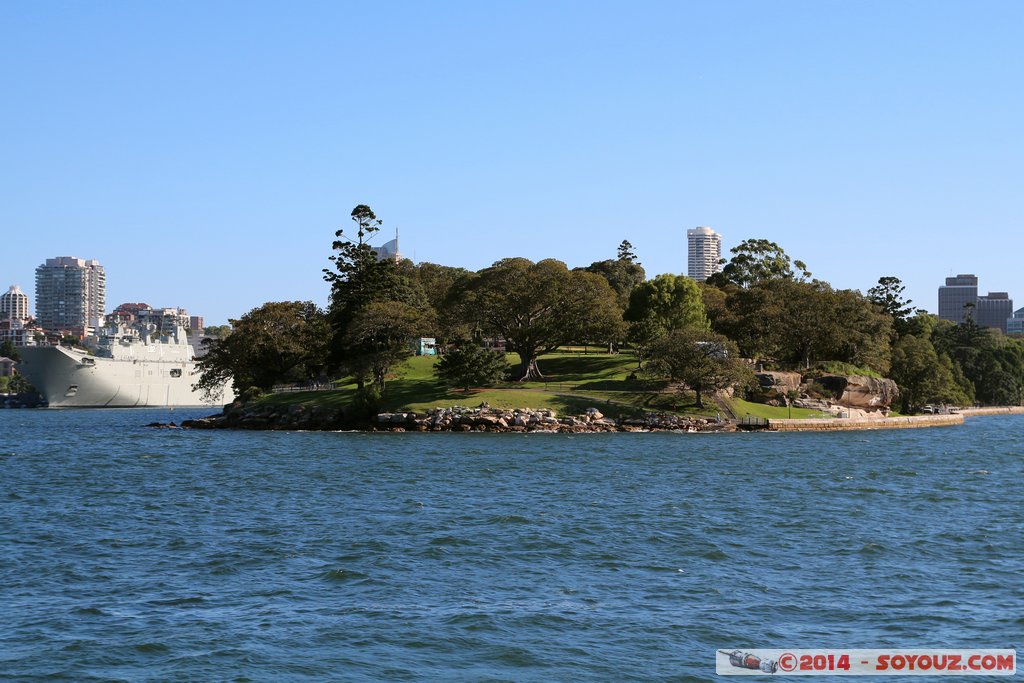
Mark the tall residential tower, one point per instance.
(71, 294)
(14, 304)
(705, 251)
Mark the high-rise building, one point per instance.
(1015, 325)
(71, 294)
(14, 304)
(993, 310)
(957, 293)
(705, 252)
(388, 251)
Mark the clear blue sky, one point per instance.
(206, 152)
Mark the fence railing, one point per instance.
(751, 422)
(295, 388)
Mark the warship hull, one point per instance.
(70, 378)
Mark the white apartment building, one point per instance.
(705, 251)
(14, 304)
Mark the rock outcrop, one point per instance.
(779, 381)
(869, 393)
(851, 394)
(858, 391)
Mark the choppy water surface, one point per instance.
(129, 553)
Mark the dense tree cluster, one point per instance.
(281, 341)
(761, 307)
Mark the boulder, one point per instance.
(869, 393)
(779, 381)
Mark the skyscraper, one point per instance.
(705, 251)
(955, 294)
(71, 294)
(994, 310)
(14, 304)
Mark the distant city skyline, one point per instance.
(206, 153)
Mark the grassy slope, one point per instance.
(575, 382)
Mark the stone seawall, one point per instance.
(842, 424)
(999, 410)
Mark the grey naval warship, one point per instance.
(131, 367)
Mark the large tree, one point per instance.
(216, 331)
(992, 363)
(600, 321)
(888, 296)
(437, 283)
(471, 365)
(755, 261)
(923, 375)
(359, 278)
(863, 334)
(669, 302)
(702, 360)
(378, 338)
(278, 342)
(623, 276)
(753, 318)
(623, 273)
(536, 307)
(9, 350)
(625, 252)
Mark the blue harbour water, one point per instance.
(137, 554)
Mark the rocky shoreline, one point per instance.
(454, 419)
(506, 420)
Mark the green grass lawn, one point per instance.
(574, 381)
(743, 408)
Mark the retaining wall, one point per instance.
(997, 410)
(840, 424)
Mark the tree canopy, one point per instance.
(888, 296)
(668, 302)
(763, 302)
(278, 342)
(755, 261)
(378, 338)
(471, 365)
(701, 359)
(923, 376)
(536, 307)
(360, 279)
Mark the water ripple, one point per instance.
(164, 555)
